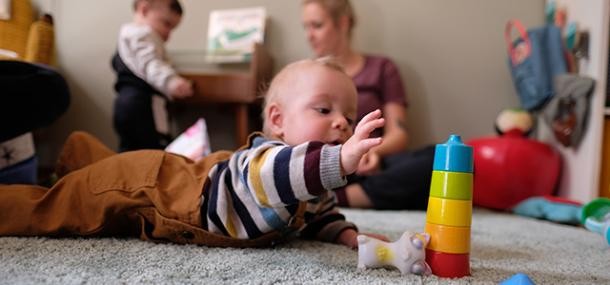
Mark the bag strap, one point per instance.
(509, 42)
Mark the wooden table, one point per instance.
(238, 88)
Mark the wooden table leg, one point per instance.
(241, 124)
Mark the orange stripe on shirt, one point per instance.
(257, 183)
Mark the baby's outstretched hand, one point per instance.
(360, 143)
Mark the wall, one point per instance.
(451, 55)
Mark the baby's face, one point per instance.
(162, 19)
(322, 107)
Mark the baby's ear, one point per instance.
(275, 120)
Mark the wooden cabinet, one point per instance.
(582, 166)
(604, 185)
(236, 84)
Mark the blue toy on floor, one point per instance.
(518, 279)
(550, 208)
(596, 217)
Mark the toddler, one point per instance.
(143, 71)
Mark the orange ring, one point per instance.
(448, 239)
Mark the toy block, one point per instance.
(447, 264)
(449, 212)
(448, 239)
(453, 155)
(518, 279)
(451, 185)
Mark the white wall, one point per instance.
(451, 55)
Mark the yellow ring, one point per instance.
(449, 212)
(448, 239)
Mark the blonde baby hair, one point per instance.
(277, 92)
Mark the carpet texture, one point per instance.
(502, 245)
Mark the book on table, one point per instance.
(232, 34)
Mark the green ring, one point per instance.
(451, 185)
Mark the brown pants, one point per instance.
(148, 193)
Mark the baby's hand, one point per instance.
(180, 87)
(349, 238)
(360, 143)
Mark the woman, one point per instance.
(389, 177)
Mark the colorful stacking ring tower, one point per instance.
(450, 209)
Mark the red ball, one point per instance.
(512, 168)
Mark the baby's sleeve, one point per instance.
(284, 175)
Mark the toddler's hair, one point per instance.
(173, 5)
(273, 94)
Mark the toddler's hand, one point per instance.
(360, 143)
(180, 87)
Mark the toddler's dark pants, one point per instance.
(134, 121)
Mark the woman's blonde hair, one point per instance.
(336, 9)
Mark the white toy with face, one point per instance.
(408, 253)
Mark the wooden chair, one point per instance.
(24, 38)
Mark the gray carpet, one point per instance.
(502, 245)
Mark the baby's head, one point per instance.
(162, 16)
(310, 100)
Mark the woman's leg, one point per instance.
(356, 197)
(403, 184)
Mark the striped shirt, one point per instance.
(259, 188)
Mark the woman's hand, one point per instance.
(369, 164)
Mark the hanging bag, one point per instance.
(535, 57)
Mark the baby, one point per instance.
(278, 186)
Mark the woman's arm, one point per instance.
(395, 139)
(395, 135)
